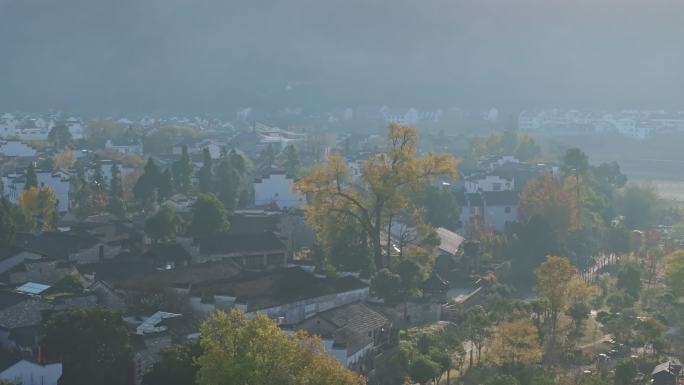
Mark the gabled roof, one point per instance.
(269, 288)
(349, 326)
(28, 312)
(183, 276)
(240, 243)
(671, 367)
(153, 323)
(55, 244)
(167, 252)
(449, 242)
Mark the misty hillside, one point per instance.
(213, 56)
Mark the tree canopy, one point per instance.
(41, 203)
(163, 225)
(559, 287)
(674, 272)
(255, 351)
(208, 216)
(60, 136)
(381, 189)
(92, 344)
(546, 198)
(516, 342)
(64, 159)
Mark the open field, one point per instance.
(658, 160)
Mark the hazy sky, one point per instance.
(216, 55)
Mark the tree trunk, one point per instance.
(389, 237)
(377, 242)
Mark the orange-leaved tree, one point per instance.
(546, 198)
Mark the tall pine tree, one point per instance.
(182, 171)
(116, 206)
(165, 185)
(205, 173)
(146, 188)
(291, 161)
(31, 177)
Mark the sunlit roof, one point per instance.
(32, 288)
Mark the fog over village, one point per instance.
(341, 192)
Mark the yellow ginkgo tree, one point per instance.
(42, 203)
(381, 189)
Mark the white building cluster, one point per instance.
(637, 124)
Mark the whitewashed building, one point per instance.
(27, 372)
(277, 188)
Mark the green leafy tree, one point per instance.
(347, 249)
(116, 205)
(422, 369)
(208, 216)
(165, 185)
(97, 179)
(618, 239)
(227, 182)
(441, 208)
(255, 351)
(92, 345)
(619, 301)
(205, 173)
(60, 136)
(651, 331)
(530, 243)
(182, 171)
(609, 174)
(411, 276)
(21, 217)
(7, 226)
(164, 225)
(674, 272)
(528, 149)
(388, 286)
(291, 161)
(146, 188)
(177, 365)
(629, 279)
(115, 186)
(579, 312)
(31, 177)
(639, 205)
(476, 328)
(267, 157)
(575, 162)
(625, 373)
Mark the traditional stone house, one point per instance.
(667, 373)
(350, 333)
(288, 294)
(251, 250)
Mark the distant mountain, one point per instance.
(197, 56)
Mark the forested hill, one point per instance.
(108, 56)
